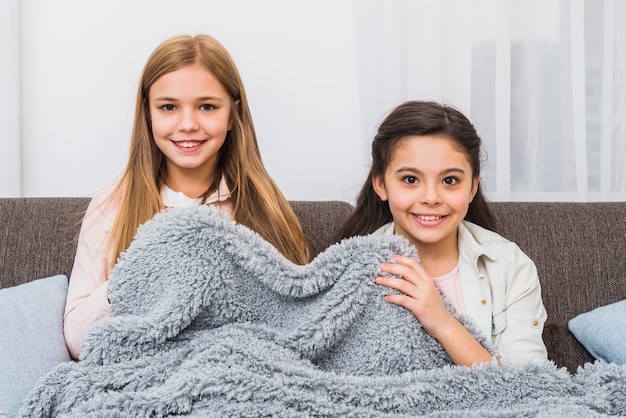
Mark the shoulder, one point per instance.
(483, 241)
(105, 193)
(478, 235)
(386, 229)
(103, 207)
(503, 259)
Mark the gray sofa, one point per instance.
(579, 250)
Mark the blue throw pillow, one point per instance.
(31, 341)
(603, 332)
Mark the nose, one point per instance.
(187, 120)
(430, 195)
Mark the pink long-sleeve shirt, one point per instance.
(87, 300)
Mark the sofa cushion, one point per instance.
(603, 332)
(32, 343)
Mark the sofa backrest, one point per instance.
(38, 237)
(579, 250)
(321, 220)
(580, 253)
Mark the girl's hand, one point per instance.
(420, 296)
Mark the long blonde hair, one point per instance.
(257, 201)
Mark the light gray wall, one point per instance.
(80, 63)
(10, 99)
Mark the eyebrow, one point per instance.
(446, 171)
(199, 99)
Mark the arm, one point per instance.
(420, 296)
(87, 293)
(523, 309)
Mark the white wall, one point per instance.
(321, 75)
(9, 105)
(80, 63)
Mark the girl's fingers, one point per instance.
(407, 261)
(418, 294)
(407, 268)
(402, 285)
(417, 288)
(402, 300)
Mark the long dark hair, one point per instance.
(408, 119)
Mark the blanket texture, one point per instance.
(211, 320)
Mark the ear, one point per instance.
(474, 188)
(231, 121)
(379, 187)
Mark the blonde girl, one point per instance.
(193, 142)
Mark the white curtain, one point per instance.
(544, 81)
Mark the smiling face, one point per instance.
(190, 113)
(429, 185)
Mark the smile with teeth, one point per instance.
(428, 217)
(188, 144)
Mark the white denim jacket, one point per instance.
(501, 291)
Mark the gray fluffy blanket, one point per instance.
(210, 320)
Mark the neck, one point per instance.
(440, 258)
(436, 267)
(192, 184)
